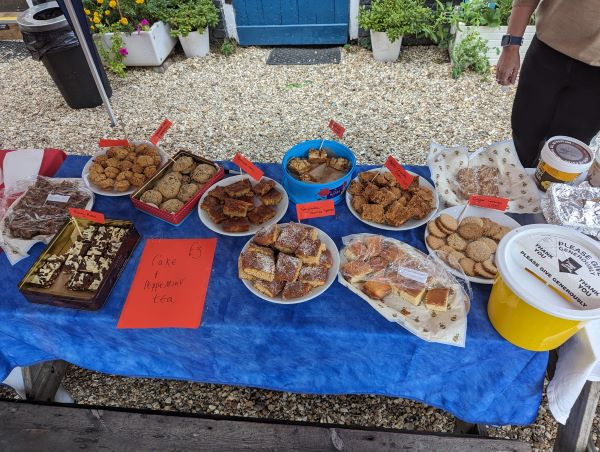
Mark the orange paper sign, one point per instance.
(161, 131)
(96, 217)
(104, 143)
(402, 176)
(169, 287)
(315, 209)
(489, 202)
(248, 167)
(337, 128)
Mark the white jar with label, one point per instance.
(593, 176)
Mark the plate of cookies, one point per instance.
(289, 263)
(240, 206)
(468, 249)
(376, 198)
(121, 170)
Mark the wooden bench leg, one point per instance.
(574, 436)
(42, 380)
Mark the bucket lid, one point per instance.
(44, 17)
(565, 261)
(567, 154)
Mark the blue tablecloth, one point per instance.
(334, 344)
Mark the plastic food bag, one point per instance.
(491, 171)
(394, 278)
(39, 211)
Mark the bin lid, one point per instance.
(44, 17)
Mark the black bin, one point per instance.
(49, 38)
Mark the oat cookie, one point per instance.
(434, 243)
(457, 242)
(447, 222)
(478, 251)
(480, 271)
(435, 231)
(468, 266)
(470, 230)
(492, 245)
(489, 266)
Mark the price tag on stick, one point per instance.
(315, 209)
(489, 202)
(96, 217)
(104, 143)
(337, 128)
(403, 177)
(161, 131)
(247, 166)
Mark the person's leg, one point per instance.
(578, 108)
(542, 79)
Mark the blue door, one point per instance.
(292, 22)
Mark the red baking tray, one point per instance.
(177, 217)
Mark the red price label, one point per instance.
(248, 167)
(104, 143)
(403, 177)
(161, 131)
(315, 209)
(337, 128)
(489, 202)
(96, 217)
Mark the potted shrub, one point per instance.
(130, 32)
(388, 21)
(190, 22)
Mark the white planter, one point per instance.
(146, 48)
(493, 36)
(195, 44)
(383, 49)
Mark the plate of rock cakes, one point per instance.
(289, 263)
(376, 198)
(240, 206)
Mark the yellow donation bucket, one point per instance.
(547, 288)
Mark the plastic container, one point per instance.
(301, 192)
(537, 315)
(593, 176)
(195, 44)
(562, 160)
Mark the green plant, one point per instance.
(395, 17)
(192, 15)
(438, 29)
(228, 47)
(470, 53)
(115, 55)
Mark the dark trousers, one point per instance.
(556, 95)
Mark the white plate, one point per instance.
(280, 208)
(492, 214)
(331, 275)
(86, 172)
(410, 224)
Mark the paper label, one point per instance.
(247, 166)
(489, 202)
(337, 128)
(170, 284)
(57, 198)
(402, 176)
(96, 217)
(568, 266)
(415, 275)
(161, 131)
(104, 143)
(315, 209)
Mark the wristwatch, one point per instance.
(509, 40)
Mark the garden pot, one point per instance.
(383, 48)
(195, 44)
(144, 48)
(493, 37)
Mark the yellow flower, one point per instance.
(107, 12)
(124, 21)
(92, 27)
(96, 20)
(100, 1)
(87, 12)
(112, 4)
(139, 2)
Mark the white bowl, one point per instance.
(410, 224)
(331, 275)
(280, 208)
(492, 214)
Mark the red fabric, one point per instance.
(51, 162)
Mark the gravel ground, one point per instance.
(223, 105)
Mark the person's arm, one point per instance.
(509, 62)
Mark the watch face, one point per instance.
(505, 40)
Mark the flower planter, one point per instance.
(493, 37)
(144, 48)
(383, 48)
(195, 44)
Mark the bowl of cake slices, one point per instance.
(288, 263)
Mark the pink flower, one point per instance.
(123, 51)
(144, 23)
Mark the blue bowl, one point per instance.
(300, 192)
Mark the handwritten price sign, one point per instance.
(96, 217)
(315, 209)
(337, 128)
(104, 143)
(248, 167)
(403, 177)
(161, 131)
(489, 202)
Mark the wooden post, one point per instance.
(42, 380)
